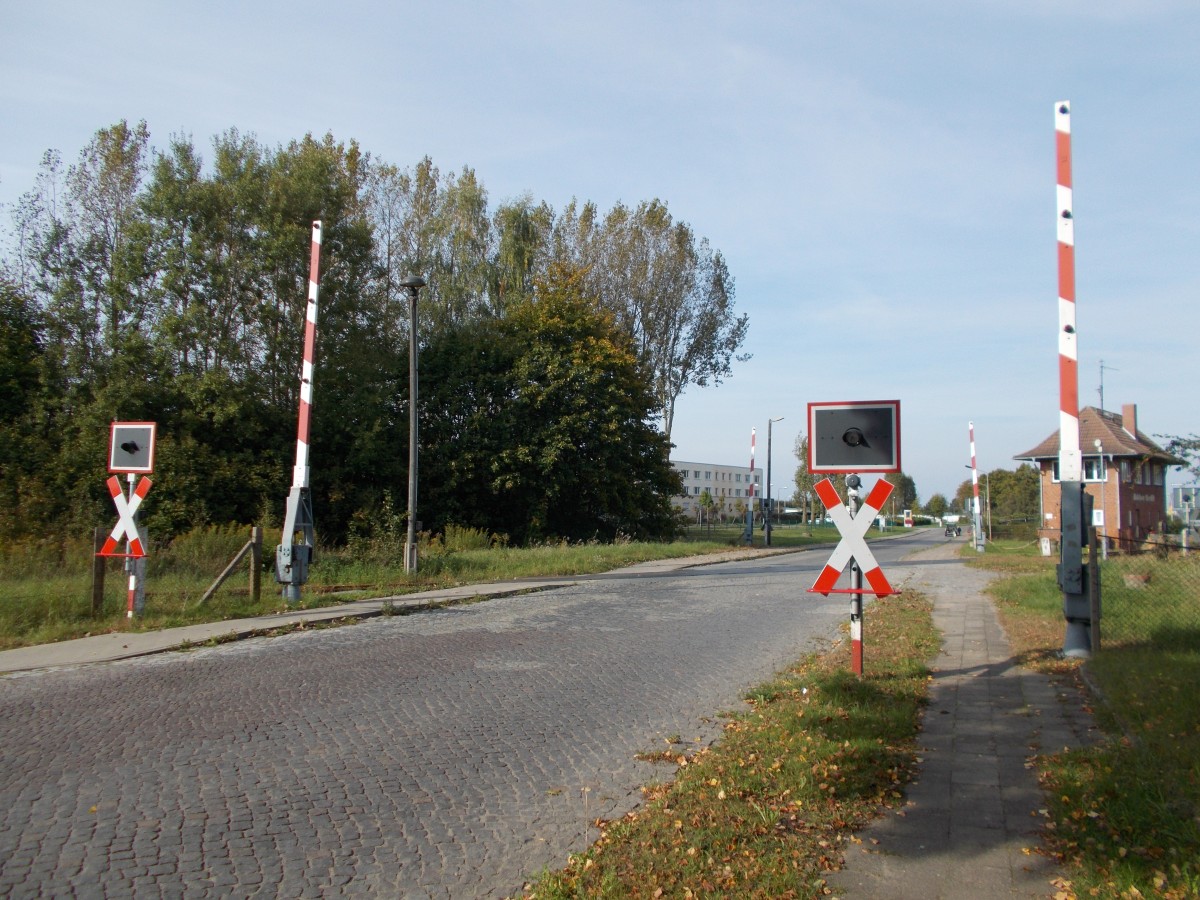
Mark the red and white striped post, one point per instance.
(135, 548)
(131, 563)
(753, 438)
(300, 473)
(976, 518)
(292, 559)
(1070, 457)
(750, 492)
(1073, 518)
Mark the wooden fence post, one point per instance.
(256, 541)
(98, 566)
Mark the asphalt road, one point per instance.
(450, 753)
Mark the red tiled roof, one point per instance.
(1109, 428)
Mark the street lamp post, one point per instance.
(411, 285)
(767, 521)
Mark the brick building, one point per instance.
(1123, 470)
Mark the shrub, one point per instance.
(457, 538)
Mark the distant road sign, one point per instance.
(856, 436)
(131, 447)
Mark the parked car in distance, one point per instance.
(953, 531)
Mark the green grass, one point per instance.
(1126, 812)
(767, 811)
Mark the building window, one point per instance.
(695, 490)
(708, 476)
(1093, 470)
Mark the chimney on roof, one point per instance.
(1129, 418)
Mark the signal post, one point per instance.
(852, 438)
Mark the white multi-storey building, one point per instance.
(728, 486)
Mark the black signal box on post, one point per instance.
(856, 436)
(131, 447)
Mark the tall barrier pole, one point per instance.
(1071, 577)
(976, 518)
(750, 492)
(292, 558)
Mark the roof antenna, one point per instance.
(1102, 368)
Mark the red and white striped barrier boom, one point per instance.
(976, 520)
(291, 560)
(301, 471)
(1070, 457)
(753, 436)
(1075, 508)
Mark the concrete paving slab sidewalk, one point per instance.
(970, 826)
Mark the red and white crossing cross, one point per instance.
(852, 544)
(126, 526)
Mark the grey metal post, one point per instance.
(412, 284)
(256, 546)
(98, 567)
(1072, 575)
(1093, 585)
(138, 570)
(770, 510)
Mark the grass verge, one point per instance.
(1125, 813)
(767, 810)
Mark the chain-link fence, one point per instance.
(1151, 594)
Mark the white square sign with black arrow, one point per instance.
(131, 447)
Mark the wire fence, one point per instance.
(1151, 595)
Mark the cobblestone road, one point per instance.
(443, 754)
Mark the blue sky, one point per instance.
(880, 176)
